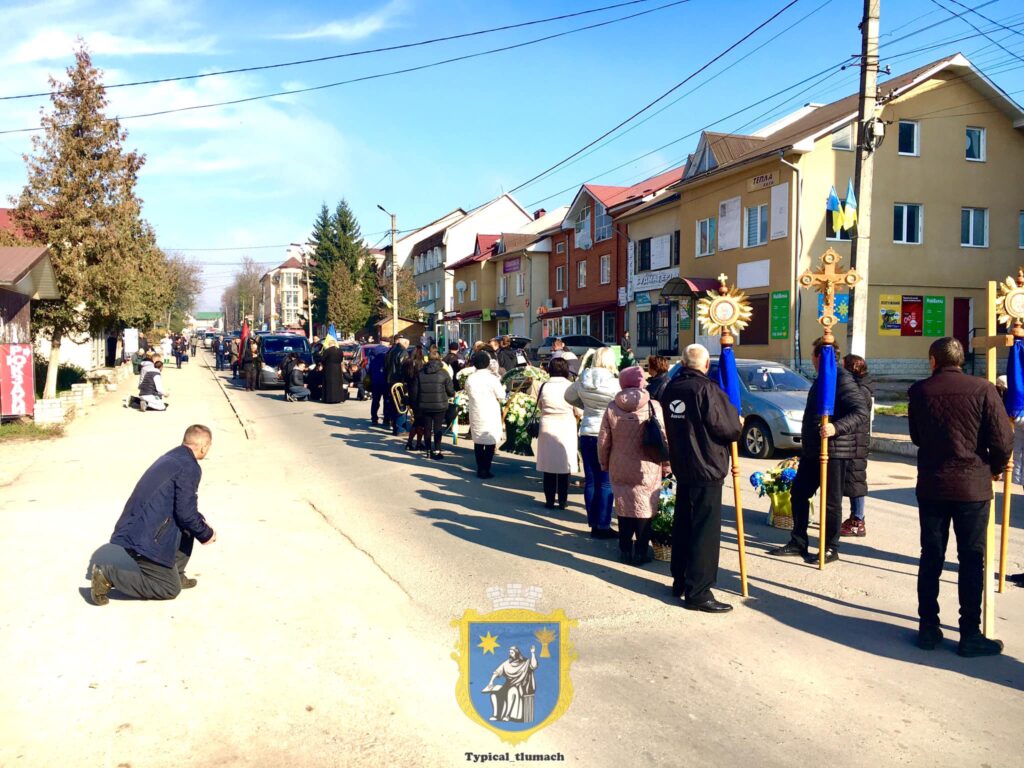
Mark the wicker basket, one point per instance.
(662, 552)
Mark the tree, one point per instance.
(184, 283)
(244, 294)
(408, 294)
(345, 305)
(336, 239)
(80, 198)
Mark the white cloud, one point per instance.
(356, 28)
(57, 44)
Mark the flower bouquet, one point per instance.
(518, 411)
(525, 379)
(776, 484)
(661, 524)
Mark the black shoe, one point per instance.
(601, 533)
(789, 549)
(625, 557)
(979, 645)
(187, 583)
(437, 456)
(487, 475)
(707, 606)
(549, 504)
(100, 587)
(1016, 578)
(640, 560)
(830, 556)
(563, 504)
(928, 637)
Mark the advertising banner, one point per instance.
(510, 265)
(890, 307)
(912, 313)
(934, 315)
(17, 381)
(779, 310)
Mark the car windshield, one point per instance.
(275, 345)
(772, 378)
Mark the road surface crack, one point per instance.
(351, 541)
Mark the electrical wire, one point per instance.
(971, 24)
(976, 12)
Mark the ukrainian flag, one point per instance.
(850, 214)
(836, 209)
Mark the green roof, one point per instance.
(209, 315)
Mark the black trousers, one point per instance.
(484, 456)
(696, 540)
(808, 478)
(149, 580)
(431, 422)
(969, 519)
(556, 485)
(630, 527)
(250, 376)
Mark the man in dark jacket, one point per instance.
(848, 418)
(394, 362)
(158, 525)
(375, 358)
(507, 358)
(964, 440)
(452, 359)
(701, 423)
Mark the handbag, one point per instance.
(653, 440)
(533, 425)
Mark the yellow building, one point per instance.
(947, 215)
(475, 315)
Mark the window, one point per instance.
(675, 248)
(906, 223)
(843, 138)
(560, 247)
(437, 290)
(706, 237)
(503, 288)
(472, 290)
(606, 269)
(757, 331)
(462, 295)
(1020, 230)
(291, 280)
(582, 228)
(559, 279)
(757, 226)
(520, 283)
(581, 274)
(910, 132)
(608, 327)
(645, 330)
(643, 255)
(830, 232)
(975, 145)
(974, 227)
(602, 223)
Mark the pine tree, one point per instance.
(80, 198)
(345, 306)
(337, 239)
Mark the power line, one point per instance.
(970, 23)
(379, 75)
(976, 12)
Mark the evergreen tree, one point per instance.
(336, 239)
(345, 305)
(80, 198)
(408, 294)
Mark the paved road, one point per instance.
(321, 631)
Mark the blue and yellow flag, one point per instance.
(850, 208)
(836, 208)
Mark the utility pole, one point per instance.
(394, 273)
(868, 136)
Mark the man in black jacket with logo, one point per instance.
(849, 417)
(964, 439)
(701, 423)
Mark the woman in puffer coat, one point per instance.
(594, 391)
(856, 485)
(430, 391)
(636, 479)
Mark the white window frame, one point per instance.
(762, 225)
(520, 283)
(971, 233)
(559, 279)
(503, 288)
(983, 142)
(706, 223)
(582, 226)
(472, 290)
(581, 273)
(560, 247)
(843, 140)
(602, 223)
(920, 223)
(606, 269)
(917, 138)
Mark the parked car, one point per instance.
(273, 348)
(578, 345)
(349, 350)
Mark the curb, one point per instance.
(903, 448)
(250, 433)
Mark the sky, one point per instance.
(247, 179)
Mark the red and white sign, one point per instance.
(17, 382)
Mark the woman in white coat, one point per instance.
(556, 444)
(484, 395)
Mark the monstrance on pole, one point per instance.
(727, 312)
(825, 282)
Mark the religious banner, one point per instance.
(934, 315)
(17, 382)
(912, 316)
(779, 315)
(841, 307)
(889, 309)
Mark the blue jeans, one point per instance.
(597, 487)
(857, 507)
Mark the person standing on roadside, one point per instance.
(700, 422)
(856, 489)
(507, 358)
(158, 527)
(394, 365)
(430, 390)
(964, 440)
(485, 396)
(193, 342)
(218, 352)
(234, 350)
(626, 345)
(378, 383)
(250, 365)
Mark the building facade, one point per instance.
(284, 298)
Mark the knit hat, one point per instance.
(631, 378)
(481, 360)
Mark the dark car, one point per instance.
(273, 349)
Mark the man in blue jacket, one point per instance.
(158, 526)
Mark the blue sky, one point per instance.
(423, 143)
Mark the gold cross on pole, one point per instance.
(825, 281)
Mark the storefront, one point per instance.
(596, 320)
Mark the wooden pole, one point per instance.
(988, 615)
(1004, 533)
(738, 502)
(824, 488)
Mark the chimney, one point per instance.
(538, 213)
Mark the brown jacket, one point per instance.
(963, 436)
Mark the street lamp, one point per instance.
(394, 274)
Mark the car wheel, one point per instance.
(757, 439)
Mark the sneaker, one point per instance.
(788, 550)
(928, 637)
(831, 556)
(187, 583)
(100, 587)
(853, 527)
(979, 645)
(437, 456)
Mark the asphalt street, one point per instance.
(321, 631)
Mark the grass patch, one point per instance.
(28, 430)
(899, 409)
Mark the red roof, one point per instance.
(486, 247)
(612, 196)
(292, 263)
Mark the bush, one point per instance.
(66, 376)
